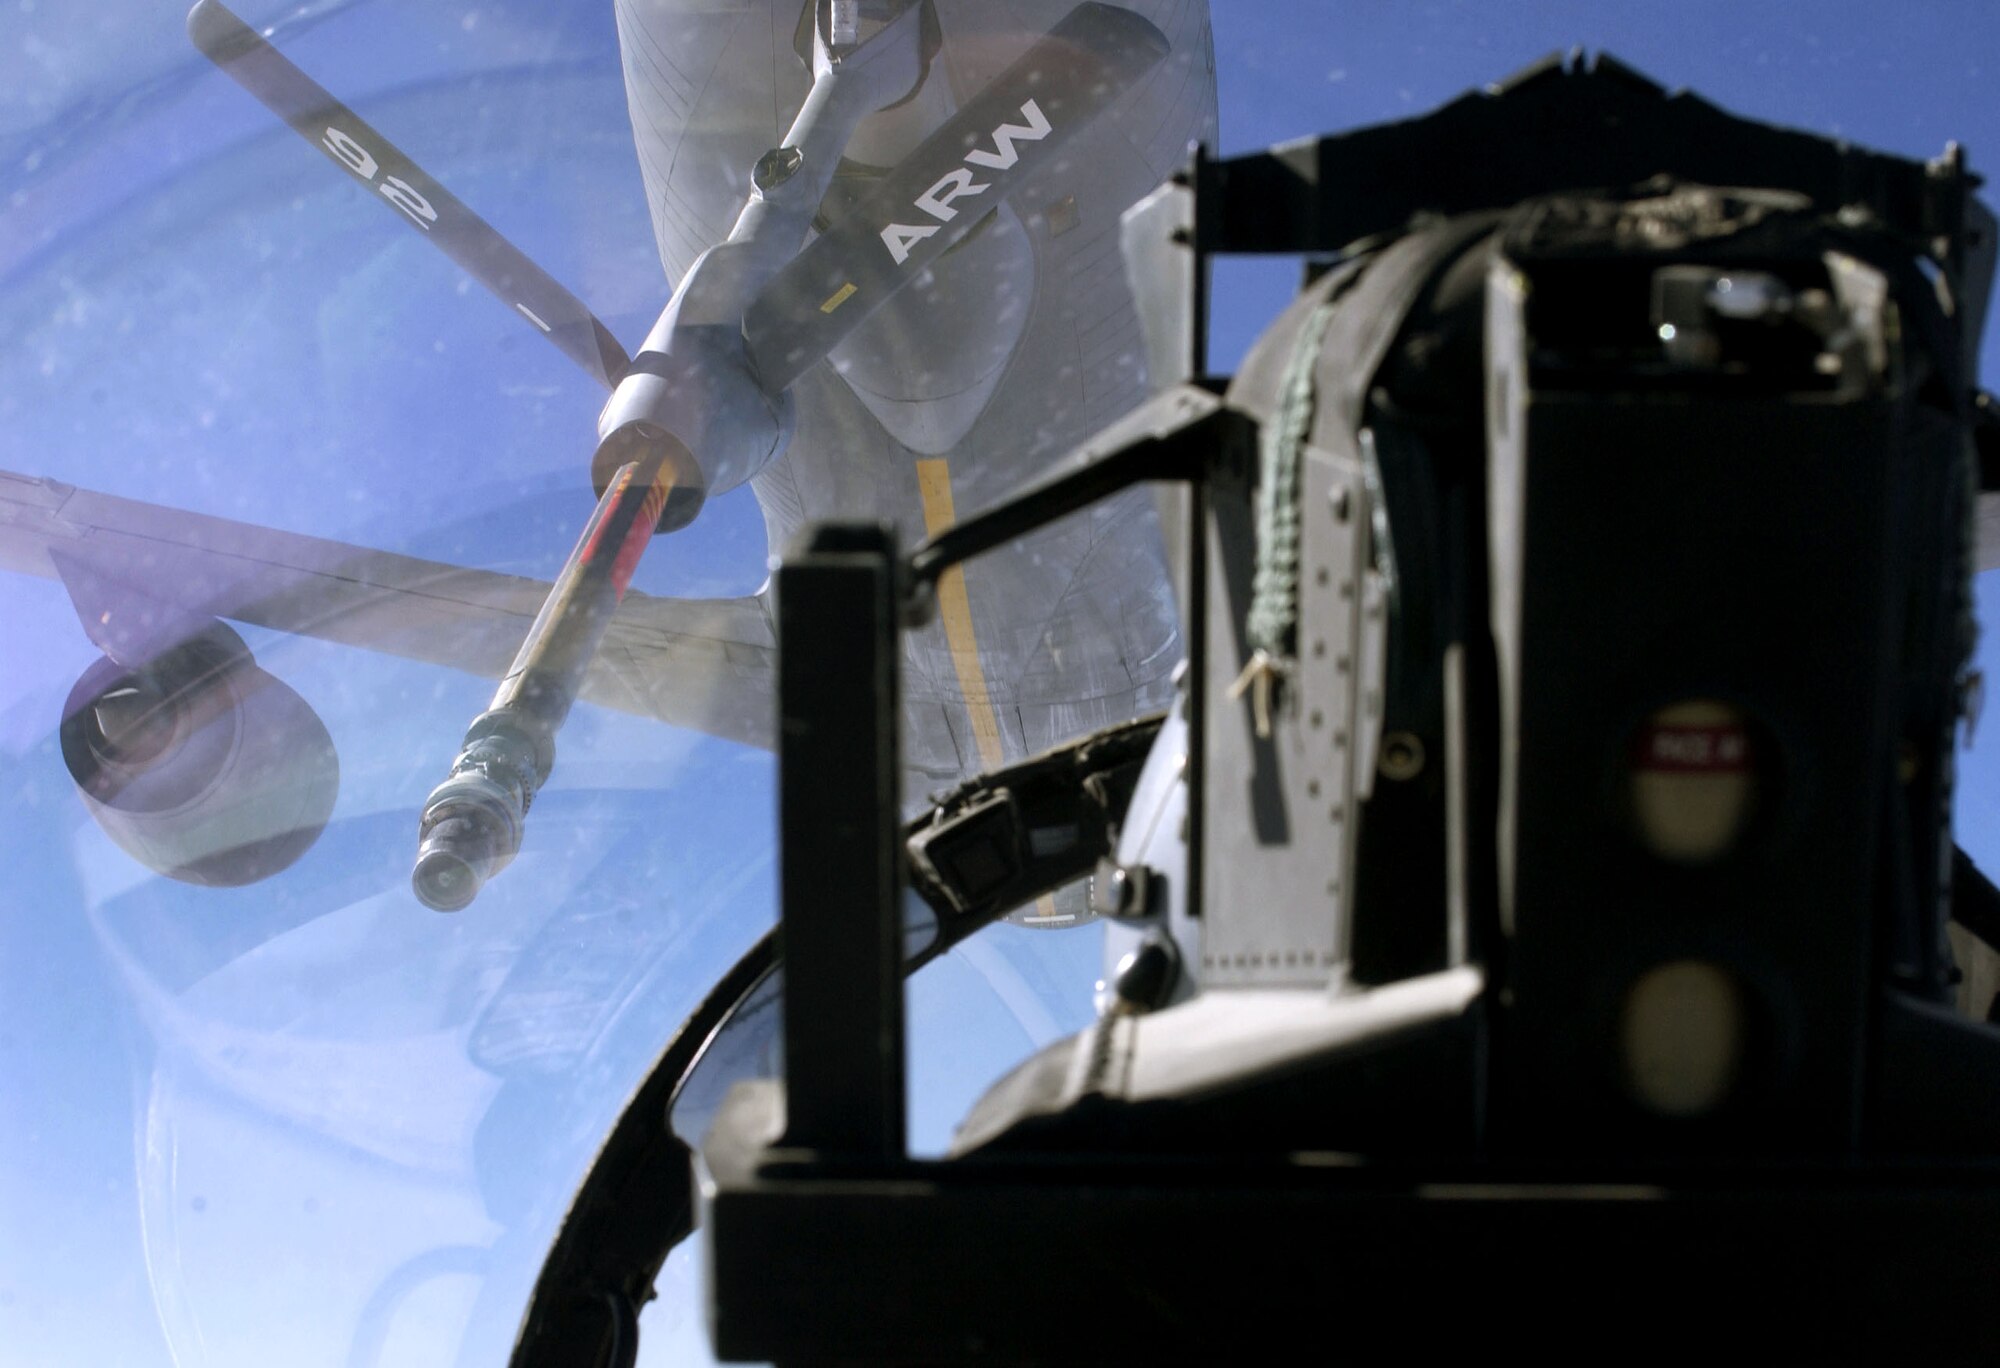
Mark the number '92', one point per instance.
(395, 189)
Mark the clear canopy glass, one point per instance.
(304, 1119)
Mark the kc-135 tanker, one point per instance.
(911, 305)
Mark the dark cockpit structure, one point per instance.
(1541, 883)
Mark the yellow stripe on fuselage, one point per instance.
(934, 485)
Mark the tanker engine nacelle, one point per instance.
(201, 765)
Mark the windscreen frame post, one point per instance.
(841, 861)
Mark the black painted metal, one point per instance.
(841, 872)
(970, 856)
(1558, 125)
(1047, 1260)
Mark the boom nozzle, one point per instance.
(472, 822)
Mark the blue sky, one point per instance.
(203, 1150)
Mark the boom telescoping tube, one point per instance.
(471, 825)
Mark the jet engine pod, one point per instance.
(202, 766)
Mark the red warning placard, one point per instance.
(1680, 748)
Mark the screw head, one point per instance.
(1402, 756)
